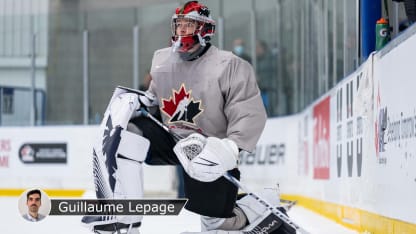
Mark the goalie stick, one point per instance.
(234, 181)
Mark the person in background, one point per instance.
(239, 49)
(146, 81)
(266, 75)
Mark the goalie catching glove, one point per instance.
(206, 159)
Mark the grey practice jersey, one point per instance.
(216, 95)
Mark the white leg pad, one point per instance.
(133, 146)
(253, 209)
(119, 153)
(129, 185)
(260, 218)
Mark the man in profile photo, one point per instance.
(33, 202)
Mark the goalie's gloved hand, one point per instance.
(148, 99)
(206, 159)
(145, 101)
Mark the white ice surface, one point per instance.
(11, 222)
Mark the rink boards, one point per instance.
(351, 155)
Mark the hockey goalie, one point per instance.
(210, 98)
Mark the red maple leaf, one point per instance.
(170, 105)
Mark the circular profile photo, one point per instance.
(34, 205)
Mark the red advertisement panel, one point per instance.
(321, 150)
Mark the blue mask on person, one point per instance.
(238, 50)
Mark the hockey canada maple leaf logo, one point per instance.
(181, 107)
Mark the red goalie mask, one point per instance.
(191, 24)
